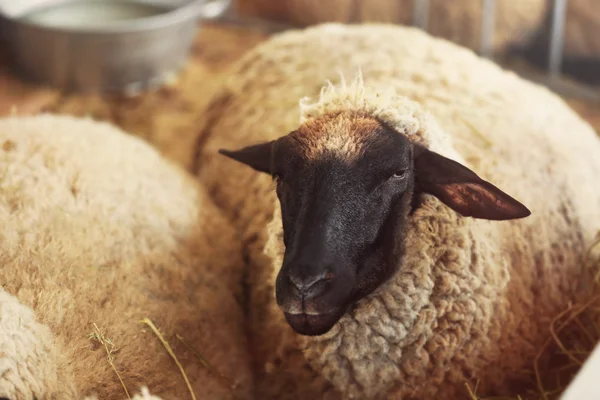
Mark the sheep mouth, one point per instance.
(310, 324)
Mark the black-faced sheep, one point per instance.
(370, 187)
(98, 232)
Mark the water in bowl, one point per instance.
(78, 14)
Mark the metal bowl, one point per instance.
(122, 55)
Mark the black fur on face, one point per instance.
(344, 216)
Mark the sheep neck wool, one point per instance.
(406, 330)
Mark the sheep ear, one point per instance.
(462, 190)
(258, 156)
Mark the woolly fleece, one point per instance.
(460, 21)
(472, 299)
(98, 228)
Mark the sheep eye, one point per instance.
(400, 175)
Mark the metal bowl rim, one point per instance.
(178, 16)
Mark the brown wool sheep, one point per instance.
(99, 230)
(459, 21)
(469, 300)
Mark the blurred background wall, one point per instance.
(528, 30)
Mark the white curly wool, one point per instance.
(27, 352)
(384, 104)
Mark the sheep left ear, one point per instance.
(258, 157)
(462, 190)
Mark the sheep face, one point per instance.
(346, 185)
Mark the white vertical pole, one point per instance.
(488, 22)
(557, 37)
(421, 13)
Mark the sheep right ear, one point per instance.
(259, 156)
(462, 190)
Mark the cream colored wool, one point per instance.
(97, 228)
(472, 299)
(460, 21)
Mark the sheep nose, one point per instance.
(306, 284)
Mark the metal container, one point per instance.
(123, 55)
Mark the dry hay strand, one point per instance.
(154, 329)
(109, 347)
(572, 336)
(226, 381)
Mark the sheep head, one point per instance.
(346, 185)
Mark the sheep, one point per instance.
(98, 231)
(455, 299)
(515, 22)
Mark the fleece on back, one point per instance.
(97, 232)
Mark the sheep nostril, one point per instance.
(303, 284)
